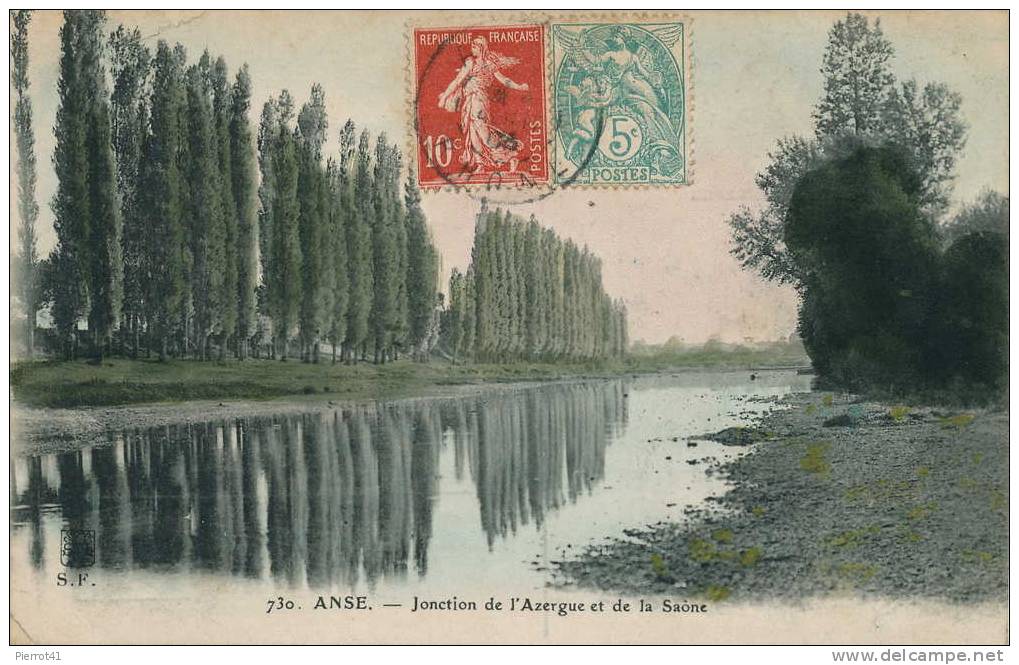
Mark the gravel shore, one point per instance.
(837, 496)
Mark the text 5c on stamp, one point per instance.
(619, 102)
(480, 106)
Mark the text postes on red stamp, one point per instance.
(480, 105)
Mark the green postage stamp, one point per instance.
(620, 103)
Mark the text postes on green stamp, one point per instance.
(620, 103)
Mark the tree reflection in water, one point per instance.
(321, 498)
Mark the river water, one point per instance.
(425, 497)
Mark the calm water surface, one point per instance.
(421, 497)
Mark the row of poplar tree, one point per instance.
(345, 246)
(168, 241)
(529, 295)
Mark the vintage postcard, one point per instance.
(510, 327)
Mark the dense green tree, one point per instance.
(556, 285)
(502, 250)
(969, 344)
(28, 209)
(869, 259)
(275, 121)
(104, 270)
(622, 338)
(882, 307)
(970, 340)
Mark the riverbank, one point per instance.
(44, 430)
(836, 497)
(119, 381)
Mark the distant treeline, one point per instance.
(789, 351)
(169, 243)
(528, 294)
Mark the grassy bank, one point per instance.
(120, 381)
(837, 497)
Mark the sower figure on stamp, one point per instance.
(484, 146)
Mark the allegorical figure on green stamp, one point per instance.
(625, 79)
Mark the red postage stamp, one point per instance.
(479, 104)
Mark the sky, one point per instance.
(754, 78)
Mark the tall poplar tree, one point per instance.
(106, 285)
(70, 204)
(165, 251)
(203, 209)
(243, 171)
(88, 268)
(533, 287)
(28, 208)
(336, 252)
(857, 78)
(105, 272)
(342, 217)
(399, 324)
(284, 281)
(226, 324)
(131, 63)
(453, 317)
(385, 260)
(359, 251)
(312, 125)
(422, 272)
(268, 135)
